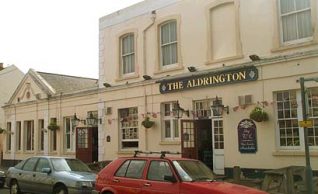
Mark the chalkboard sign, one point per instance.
(247, 136)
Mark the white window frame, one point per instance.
(173, 64)
(69, 134)
(128, 123)
(168, 116)
(297, 102)
(131, 53)
(203, 108)
(298, 40)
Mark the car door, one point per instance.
(156, 182)
(26, 176)
(128, 178)
(43, 182)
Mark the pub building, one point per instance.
(217, 80)
(209, 79)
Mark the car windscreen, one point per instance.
(61, 164)
(192, 170)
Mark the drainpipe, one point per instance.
(153, 18)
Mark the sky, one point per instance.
(54, 36)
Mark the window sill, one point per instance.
(313, 153)
(127, 77)
(213, 61)
(169, 69)
(170, 143)
(294, 46)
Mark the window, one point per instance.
(295, 18)
(29, 135)
(158, 170)
(287, 118)
(19, 135)
(313, 115)
(131, 169)
(41, 134)
(53, 136)
(9, 136)
(170, 123)
(30, 164)
(127, 54)
(168, 43)
(69, 138)
(289, 112)
(202, 108)
(82, 138)
(43, 163)
(129, 128)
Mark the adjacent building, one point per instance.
(10, 77)
(198, 69)
(52, 114)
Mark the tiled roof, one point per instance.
(66, 83)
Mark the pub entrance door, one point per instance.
(87, 144)
(196, 140)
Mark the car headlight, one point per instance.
(84, 184)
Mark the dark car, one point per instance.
(2, 178)
(162, 175)
(45, 174)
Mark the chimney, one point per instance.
(1, 66)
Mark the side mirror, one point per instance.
(170, 178)
(46, 170)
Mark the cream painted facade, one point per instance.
(214, 36)
(39, 99)
(10, 77)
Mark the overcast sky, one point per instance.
(56, 36)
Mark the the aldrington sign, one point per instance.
(231, 76)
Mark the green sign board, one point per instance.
(231, 76)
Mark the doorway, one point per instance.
(196, 140)
(87, 144)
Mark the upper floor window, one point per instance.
(127, 54)
(168, 43)
(295, 20)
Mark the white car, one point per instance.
(46, 174)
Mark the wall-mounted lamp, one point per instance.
(147, 77)
(92, 120)
(178, 111)
(192, 69)
(107, 85)
(75, 121)
(218, 108)
(254, 57)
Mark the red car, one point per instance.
(162, 175)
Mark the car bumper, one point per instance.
(95, 192)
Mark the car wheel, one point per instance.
(1, 184)
(60, 190)
(14, 187)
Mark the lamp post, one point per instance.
(309, 177)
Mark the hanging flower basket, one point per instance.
(147, 123)
(258, 114)
(53, 126)
(2, 130)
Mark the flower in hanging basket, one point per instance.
(53, 126)
(258, 114)
(147, 123)
(2, 130)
